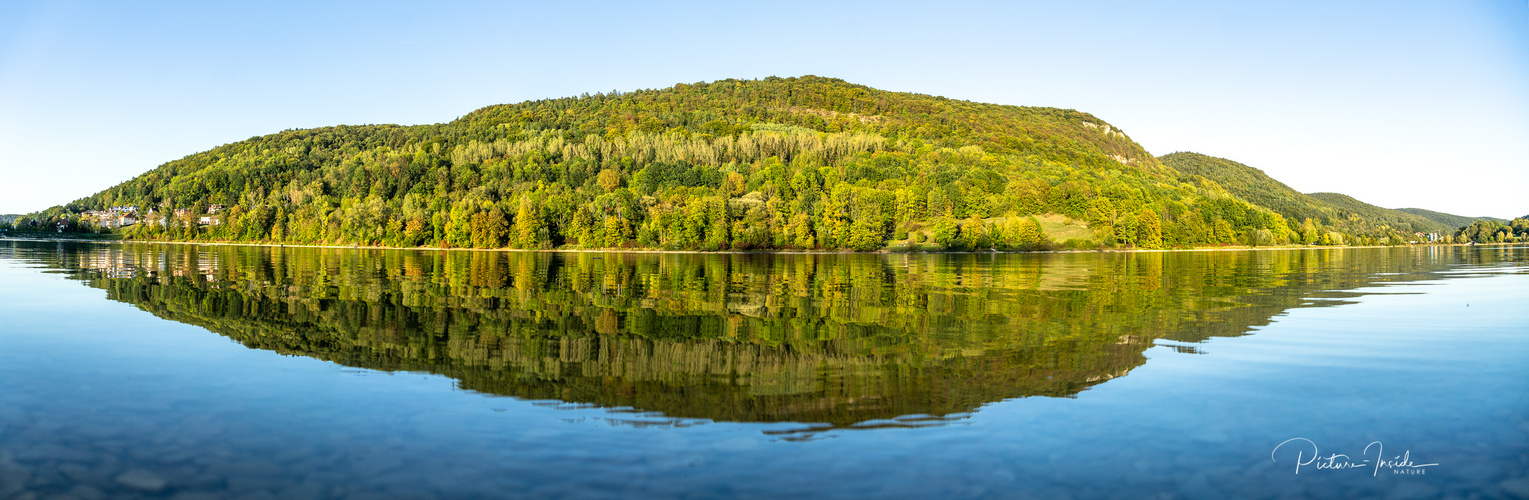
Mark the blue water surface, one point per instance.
(100, 398)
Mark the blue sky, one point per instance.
(1400, 104)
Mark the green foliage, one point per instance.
(1447, 220)
(489, 229)
(1149, 232)
(1347, 208)
(1327, 212)
(1491, 231)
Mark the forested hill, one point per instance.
(778, 163)
(1326, 210)
(1448, 220)
(1353, 209)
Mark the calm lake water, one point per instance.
(178, 371)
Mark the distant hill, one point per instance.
(1248, 183)
(1453, 221)
(1329, 209)
(8, 218)
(1349, 208)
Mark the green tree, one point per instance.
(1309, 232)
(945, 232)
(1149, 232)
(489, 229)
(1030, 235)
(528, 226)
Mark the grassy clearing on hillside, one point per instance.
(1061, 231)
(1060, 228)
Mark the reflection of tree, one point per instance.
(811, 338)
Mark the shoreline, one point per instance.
(743, 252)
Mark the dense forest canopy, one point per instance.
(778, 163)
(1448, 220)
(1492, 231)
(1317, 214)
(1327, 209)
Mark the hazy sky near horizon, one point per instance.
(1399, 104)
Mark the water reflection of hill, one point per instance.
(840, 339)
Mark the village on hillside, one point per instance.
(127, 215)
